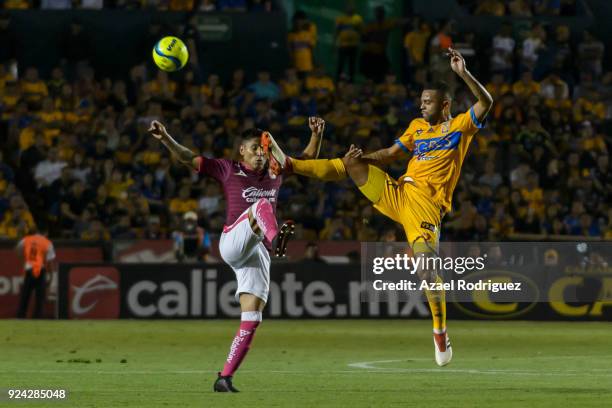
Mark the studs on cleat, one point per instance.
(286, 231)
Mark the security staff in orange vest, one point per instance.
(38, 254)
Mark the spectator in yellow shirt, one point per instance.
(533, 194)
(11, 94)
(17, 4)
(34, 90)
(56, 83)
(320, 83)
(181, 5)
(302, 41)
(590, 141)
(526, 86)
(124, 153)
(17, 215)
(340, 117)
(151, 156)
(335, 230)
(208, 88)
(52, 120)
(589, 108)
(490, 8)
(118, 185)
(348, 32)
(183, 203)
(367, 121)
(28, 134)
(415, 44)
(161, 86)
(389, 89)
(66, 100)
(291, 86)
(560, 100)
(497, 87)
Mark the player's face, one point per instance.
(252, 154)
(433, 106)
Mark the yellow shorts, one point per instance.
(406, 204)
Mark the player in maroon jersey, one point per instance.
(251, 190)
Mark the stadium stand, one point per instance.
(78, 161)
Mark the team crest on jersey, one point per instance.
(445, 127)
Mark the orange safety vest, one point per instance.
(35, 248)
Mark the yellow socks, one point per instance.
(323, 169)
(437, 304)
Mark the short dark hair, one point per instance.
(249, 134)
(442, 88)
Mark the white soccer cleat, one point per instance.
(443, 349)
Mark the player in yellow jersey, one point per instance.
(419, 199)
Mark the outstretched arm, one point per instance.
(485, 100)
(317, 126)
(384, 156)
(182, 154)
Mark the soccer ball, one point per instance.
(170, 54)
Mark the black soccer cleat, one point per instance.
(224, 384)
(282, 239)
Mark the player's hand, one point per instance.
(457, 61)
(354, 152)
(316, 124)
(158, 130)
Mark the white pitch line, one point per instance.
(367, 364)
(373, 369)
(371, 366)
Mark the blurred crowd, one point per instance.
(520, 8)
(200, 6)
(78, 160)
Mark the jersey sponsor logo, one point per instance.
(252, 194)
(94, 292)
(448, 142)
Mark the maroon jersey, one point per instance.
(242, 187)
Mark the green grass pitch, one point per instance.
(359, 363)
